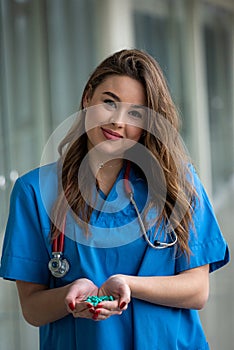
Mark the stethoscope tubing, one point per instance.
(157, 244)
(58, 243)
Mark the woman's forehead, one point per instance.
(122, 89)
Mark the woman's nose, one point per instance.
(118, 118)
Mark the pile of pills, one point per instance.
(95, 300)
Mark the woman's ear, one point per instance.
(85, 102)
(87, 97)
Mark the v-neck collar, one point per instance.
(112, 193)
(108, 203)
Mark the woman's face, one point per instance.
(115, 114)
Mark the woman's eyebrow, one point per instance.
(140, 106)
(111, 94)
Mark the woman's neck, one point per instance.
(105, 171)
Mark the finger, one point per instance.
(82, 306)
(109, 305)
(124, 299)
(123, 305)
(70, 307)
(83, 314)
(103, 314)
(71, 298)
(82, 309)
(107, 311)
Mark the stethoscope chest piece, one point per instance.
(58, 266)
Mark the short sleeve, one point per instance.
(24, 255)
(206, 241)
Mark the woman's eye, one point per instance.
(135, 114)
(111, 104)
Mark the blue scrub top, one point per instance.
(113, 247)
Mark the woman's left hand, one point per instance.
(119, 289)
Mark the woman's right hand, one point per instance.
(78, 292)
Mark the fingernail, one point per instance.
(89, 305)
(92, 311)
(99, 306)
(72, 307)
(122, 305)
(95, 316)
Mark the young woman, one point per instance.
(126, 209)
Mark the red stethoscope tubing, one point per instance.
(126, 179)
(58, 243)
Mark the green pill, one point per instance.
(95, 300)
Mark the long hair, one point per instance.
(168, 149)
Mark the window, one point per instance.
(218, 48)
(159, 29)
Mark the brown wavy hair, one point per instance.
(167, 149)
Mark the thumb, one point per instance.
(70, 299)
(123, 304)
(124, 299)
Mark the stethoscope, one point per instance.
(59, 266)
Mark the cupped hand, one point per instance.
(119, 289)
(78, 292)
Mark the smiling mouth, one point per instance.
(111, 135)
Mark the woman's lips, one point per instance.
(111, 135)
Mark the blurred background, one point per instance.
(48, 48)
